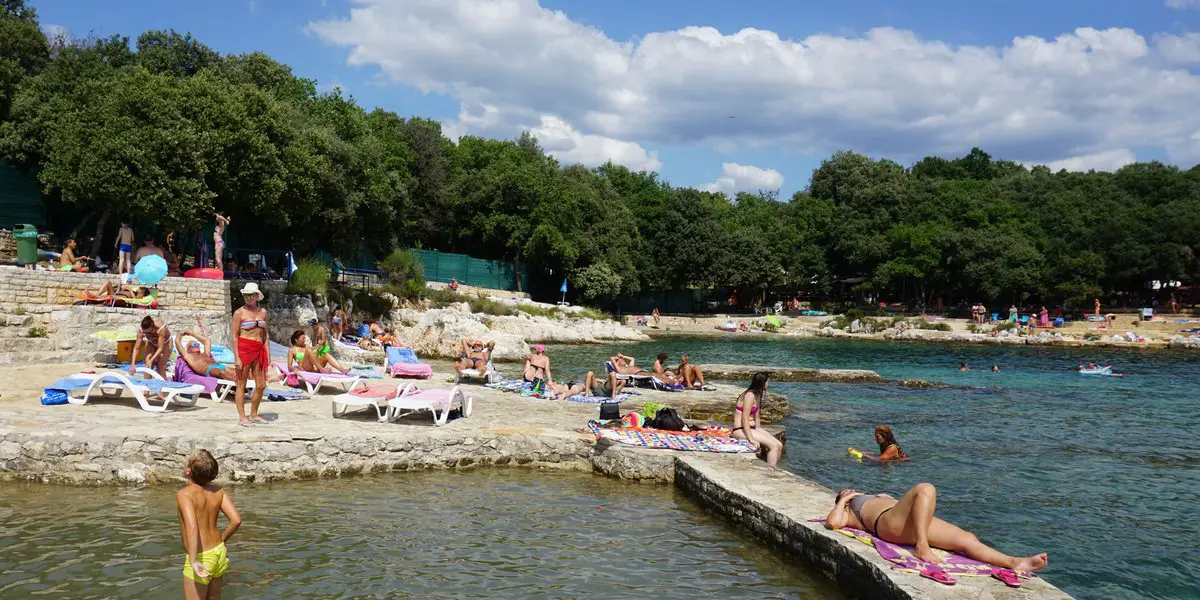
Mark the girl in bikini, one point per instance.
(888, 448)
(219, 241)
(156, 337)
(910, 521)
(250, 353)
(746, 422)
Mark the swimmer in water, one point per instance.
(963, 366)
(889, 450)
(995, 368)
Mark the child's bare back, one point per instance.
(199, 503)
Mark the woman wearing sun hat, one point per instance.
(250, 352)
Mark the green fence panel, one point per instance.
(444, 266)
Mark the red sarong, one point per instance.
(252, 351)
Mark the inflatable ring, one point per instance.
(204, 273)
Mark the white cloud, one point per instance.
(887, 92)
(745, 178)
(570, 146)
(1183, 4)
(1109, 160)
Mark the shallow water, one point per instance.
(501, 533)
(1101, 472)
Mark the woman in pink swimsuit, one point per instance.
(746, 422)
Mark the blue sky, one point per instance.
(939, 77)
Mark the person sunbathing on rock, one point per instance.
(121, 290)
(625, 365)
(691, 374)
(910, 521)
(195, 350)
(660, 370)
(475, 355)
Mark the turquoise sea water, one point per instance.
(1101, 472)
(491, 533)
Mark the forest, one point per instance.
(165, 129)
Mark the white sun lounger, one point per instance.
(314, 381)
(438, 402)
(222, 388)
(111, 384)
(490, 375)
(407, 398)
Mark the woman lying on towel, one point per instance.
(302, 356)
(910, 521)
(195, 350)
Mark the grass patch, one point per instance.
(488, 306)
(373, 304)
(19, 311)
(934, 326)
(595, 314)
(38, 332)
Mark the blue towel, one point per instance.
(366, 372)
(401, 356)
(67, 384)
(580, 398)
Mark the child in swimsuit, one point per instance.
(205, 561)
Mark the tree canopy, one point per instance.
(165, 129)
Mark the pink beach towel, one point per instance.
(902, 558)
(377, 393)
(417, 371)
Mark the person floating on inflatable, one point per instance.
(889, 450)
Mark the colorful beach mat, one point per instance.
(902, 558)
(670, 440)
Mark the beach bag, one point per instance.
(610, 411)
(54, 397)
(668, 419)
(650, 410)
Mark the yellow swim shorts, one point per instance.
(214, 558)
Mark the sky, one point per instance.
(735, 96)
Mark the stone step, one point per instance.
(22, 345)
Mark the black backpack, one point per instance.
(666, 418)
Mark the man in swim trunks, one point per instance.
(205, 560)
(475, 355)
(67, 261)
(124, 247)
(610, 387)
(625, 365)
(197, 353)
(910, 521)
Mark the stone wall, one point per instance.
(23, 287)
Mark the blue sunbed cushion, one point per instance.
(401, 356)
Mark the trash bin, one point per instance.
(27, 240)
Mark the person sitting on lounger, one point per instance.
(537, 367)
(67, 261)
(475, 355)
(910, 521)
(888, 448)
(625, 365)
(305, 358)
(324, 356)
(157, 340)
(195, 350)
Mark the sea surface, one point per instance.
(1103, 473)
(490, 533)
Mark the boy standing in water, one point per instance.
(124, 249)
(199, 503)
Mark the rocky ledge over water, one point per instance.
(799, 374)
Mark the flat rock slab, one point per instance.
(803, 375)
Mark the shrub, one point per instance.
(403, 266)
(488, 306)
(852, 314)
(38, 332)
(594, 314)
(598, 280)
(372, 304)
(552, 312)
(20, 310)
(935, 326)
(441, 298)
(311, 278)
